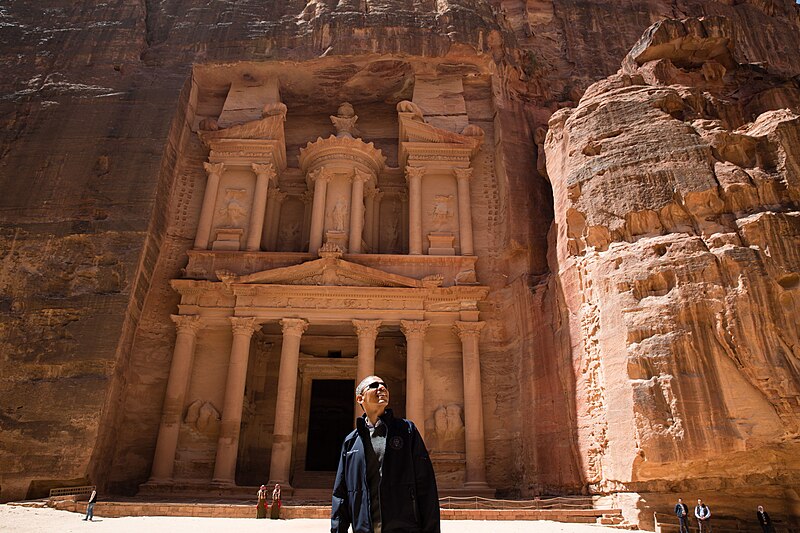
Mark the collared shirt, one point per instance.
(375, 452)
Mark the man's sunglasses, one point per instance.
(376, 384)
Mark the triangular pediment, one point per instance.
(326, 271)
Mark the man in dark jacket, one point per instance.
(385, 481)
(682, 512)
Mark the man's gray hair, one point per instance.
(363, 385)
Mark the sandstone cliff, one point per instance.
(677, 231)
(653, 327)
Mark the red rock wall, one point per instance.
(94, 117)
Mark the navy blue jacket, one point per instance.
(409, 499)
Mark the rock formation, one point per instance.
(642, 259)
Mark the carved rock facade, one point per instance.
(195, 196)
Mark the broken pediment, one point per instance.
(327, 271)
(421, 140)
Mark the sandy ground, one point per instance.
(30, 520)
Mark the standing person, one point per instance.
(703, 515)
(90, 507)
(764, 520)
(261, 506)
(275, 510)
(385, 481)
(682, 512)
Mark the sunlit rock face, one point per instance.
(676, 245)
(634, 205)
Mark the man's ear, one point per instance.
(360, 399)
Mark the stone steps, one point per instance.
(115, 509)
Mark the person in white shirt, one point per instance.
(703, 515)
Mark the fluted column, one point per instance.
(307, 197)
(228, 442)
(414, 330)
(367, 331)
(280, 462)
(274, 218)
(463, 175)
(214, 171)
(369, 218)
(414, 177)
(320, 177)
(264, 174)
(469, 333)
(180, 371)
(357, 211)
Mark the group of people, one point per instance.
(703, 515)
(275, 508)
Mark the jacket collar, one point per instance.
(386, 417)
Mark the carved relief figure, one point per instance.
(442, 212)
(201, 415)
(339, 214)
(448, 428)
(234, 212)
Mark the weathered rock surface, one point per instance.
(677, 234)
(680, 171)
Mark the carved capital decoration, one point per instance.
(187, 323)
(278, 196)
(468, 330)
(214, 168)
(463, 173)
(264, 168)
(293, 327)
(367, 328)
(320, 174)
(307, 197)
(244, 325)
(414, 173)
(360, 175)
(414, 329)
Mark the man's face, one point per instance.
(375, 394)
(680, 500)
(699, 502)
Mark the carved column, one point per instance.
(403, 197)
(463, 176)
(308, 198)
(280, 462)
(469, 333)
(180, 371)
(414, 330)
(264, 174)
(357, 211)
(369, 216)
(414, 177)
(320, 177)
(228, 442)
(367, 331)
(214, 171)
(274, 218)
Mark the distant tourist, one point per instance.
(764, 520)
(703, 515)
(90, 507)
(275, 510)
(400, 493)
(682, 512)
(261, 506)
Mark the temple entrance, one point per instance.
(330, 420)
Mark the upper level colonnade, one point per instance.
(342, 192)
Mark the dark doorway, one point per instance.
(330, 420)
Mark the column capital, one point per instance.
(307, 197)
(244, 325)
(264, 168)
(403, 197)
(186, 323)
(294, 327)
(278, 195)
(372, 192)
(360, 175)
(414, 328)
(414, 172)
(466, 330)
(367, 328)
(320, 174)
(214, 168)
(463, 173)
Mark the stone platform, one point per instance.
(116, 509)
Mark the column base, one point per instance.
(222, 484)
(482, 490)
